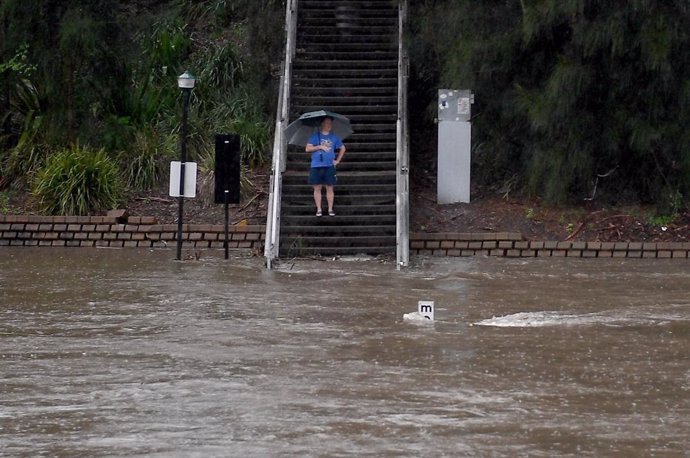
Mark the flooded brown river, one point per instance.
(130, 353)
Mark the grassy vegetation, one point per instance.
(88, 92)
(78, 181)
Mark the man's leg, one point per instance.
(330, 197)
(317, 197)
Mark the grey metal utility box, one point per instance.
(454, 145)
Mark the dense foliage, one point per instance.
(102, 74)
(569, 93)
(575, 99)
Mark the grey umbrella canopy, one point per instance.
(299, 131)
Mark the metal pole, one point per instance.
(183, 159)
(227, 221)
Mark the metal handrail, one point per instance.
(402, 149)
(272, 243)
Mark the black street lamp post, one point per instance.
(185, 82)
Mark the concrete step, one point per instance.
(298, 187)
(347, 4)
(348, 166)
(383, 40)
(328, 229)
(347, 110)
(327, 62)
(368, 128)
(323, 241)
(337, 7)
(369, 137)
(346, 72)
(337, 222)
(383, 24)
(346, 178)
(354, 27)
(369, 8)
(348, 55)
(342, 208)
(307, 80)
(347, 17)
(329, 17)
(372, 147)
(347, 100)
(387, 126)
(360, 142)
(329, 47)
(329, 91)
(299, 251)
(351, 155)
(341, 198)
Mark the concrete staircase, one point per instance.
(346, 61)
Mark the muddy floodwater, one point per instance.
(129, 353)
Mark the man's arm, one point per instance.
(311, 148)
(341, 153)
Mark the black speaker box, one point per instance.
(227, 168)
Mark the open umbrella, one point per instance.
(299, 131)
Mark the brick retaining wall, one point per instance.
(142, 231)
(514, 245)
(132, 231)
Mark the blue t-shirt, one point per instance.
(322, 158)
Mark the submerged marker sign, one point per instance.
(426, 309)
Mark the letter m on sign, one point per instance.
(426, 309)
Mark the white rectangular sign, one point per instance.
(189, 179)
(426, 309)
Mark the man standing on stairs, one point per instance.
(322, 146)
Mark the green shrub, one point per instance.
(78, 181)
(4, 202)
(255, 137)
(21, 162)
(240, 116)
(206, 179)
(146, 165)
(661, 220)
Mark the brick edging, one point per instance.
(132, 231)
(144, 231)
(513, 245)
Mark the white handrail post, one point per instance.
(402, 149)
(272, 242)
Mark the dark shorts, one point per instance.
(322, 175)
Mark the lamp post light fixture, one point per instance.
(185, 82)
